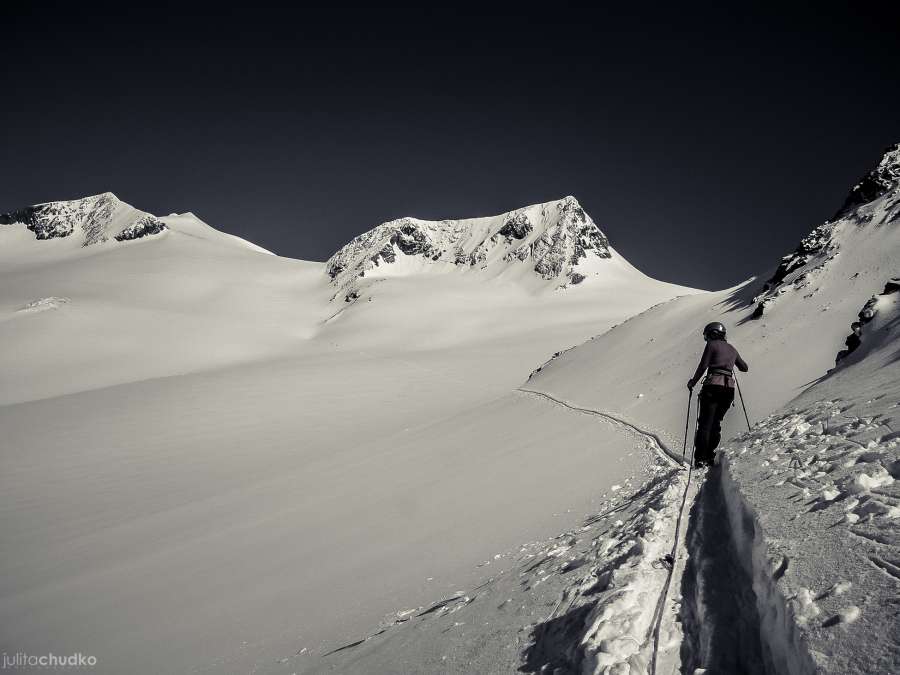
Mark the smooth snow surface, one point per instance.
(212, 460)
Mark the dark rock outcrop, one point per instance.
(875, 183)
(517, 227)
(142, 227)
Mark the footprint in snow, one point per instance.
(43, 305)
(838, 588)
(846, 615)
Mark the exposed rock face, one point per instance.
(865, 316)
(97, 218)
(877, 182)
(816, 243)
(553, 238)
(143, 226)
(517, 227)
(874, 201)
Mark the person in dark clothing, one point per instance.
(853, 341)
(717, 363)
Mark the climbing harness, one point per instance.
(724, 373)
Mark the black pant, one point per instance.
(715, 399)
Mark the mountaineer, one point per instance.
(717, 394)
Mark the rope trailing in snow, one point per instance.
(661, 603)
(663, 449)
(656, 623)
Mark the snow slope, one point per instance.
(219, 460)
(787, 560)
(185, 299)
(818, 482)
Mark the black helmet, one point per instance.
(714, 331)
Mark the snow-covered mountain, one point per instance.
(90, 220)
(555, 241)
(57, 257)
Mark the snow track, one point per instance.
(714, 622)
(718, 611)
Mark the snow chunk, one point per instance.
(44, 304)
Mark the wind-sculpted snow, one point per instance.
(874, 202)
(551, 239)
(97, 219)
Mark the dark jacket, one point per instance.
(721, 356)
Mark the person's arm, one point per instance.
(741, 364)
(704, 364)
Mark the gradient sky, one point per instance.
(705, 143)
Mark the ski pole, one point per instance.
(696, 428)
(687, 421)
(746, 416)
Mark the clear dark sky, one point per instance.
(704, 144)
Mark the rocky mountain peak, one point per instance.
(551, 239)
(94, 219)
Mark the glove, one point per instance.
(690, 385)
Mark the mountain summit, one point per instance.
(93, 219)
(553, 241)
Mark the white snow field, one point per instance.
(214, 458)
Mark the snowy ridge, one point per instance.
(880, 180)
(872, 203)
(550, 239)
(93, 220)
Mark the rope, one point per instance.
(664, 450)
(656, 623)
(661, 603)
